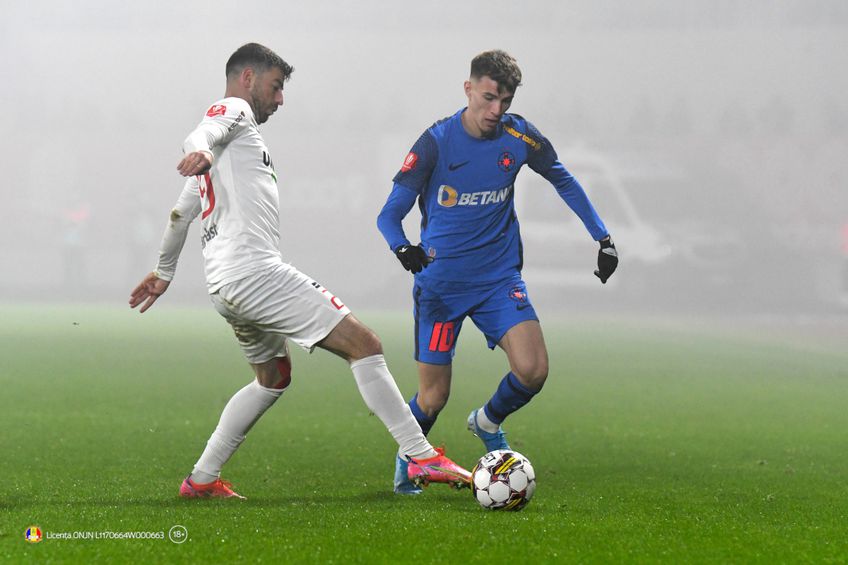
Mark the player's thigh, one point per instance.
(352, 340)
(508, 319)
(501, 308)
(438, 320)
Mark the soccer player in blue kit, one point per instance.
(462, 172)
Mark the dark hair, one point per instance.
(259, 57)
(499, 66)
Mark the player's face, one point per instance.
(266, 93)
(487, 102)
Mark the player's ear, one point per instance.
(247, 77)
(467, 87)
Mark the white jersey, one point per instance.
(237, 199)
(265, 300)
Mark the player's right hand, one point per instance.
(195, 163)
(412, 257)
(148, 290)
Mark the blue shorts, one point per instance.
(441, 307)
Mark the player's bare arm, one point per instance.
(195, 163)
(148, 291)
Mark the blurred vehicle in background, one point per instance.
(672, 249)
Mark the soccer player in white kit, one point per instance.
(232, 185)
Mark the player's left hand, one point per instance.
(607, 260)
(148, 290)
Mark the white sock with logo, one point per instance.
(380, 392)
(241, 412)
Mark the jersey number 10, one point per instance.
(442, 337)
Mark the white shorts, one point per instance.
(268, 308)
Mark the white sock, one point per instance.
(239, 415)
(485, 423)
(380, 392)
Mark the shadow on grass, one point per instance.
(432, 501)
(384, 498)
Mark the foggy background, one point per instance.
(712, 137)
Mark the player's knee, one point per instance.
(275, 374)
(284, 372)
(533, 374)
(433, 399)
(369, 343)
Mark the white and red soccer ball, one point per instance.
(503, 480)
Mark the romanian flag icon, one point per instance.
(33, 534)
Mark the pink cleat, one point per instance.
(216, 489)
(438, 469)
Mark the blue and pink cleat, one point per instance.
(402, 483)
(492, 441)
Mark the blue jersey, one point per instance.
(465, 191)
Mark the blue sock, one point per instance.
(510, 396)
(426, 422)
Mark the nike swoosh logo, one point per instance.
(521, 306)
(455, 166)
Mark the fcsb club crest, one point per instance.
(33, 534)
(518, 294)
(506, 161)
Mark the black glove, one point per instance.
(607, 260)
(412, 257)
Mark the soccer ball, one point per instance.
(503, 480)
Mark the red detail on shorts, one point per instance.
(284, 368)
(216, 110)
(409, 162)
(442, 337)
(334, 300)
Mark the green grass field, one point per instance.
(654, 441)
